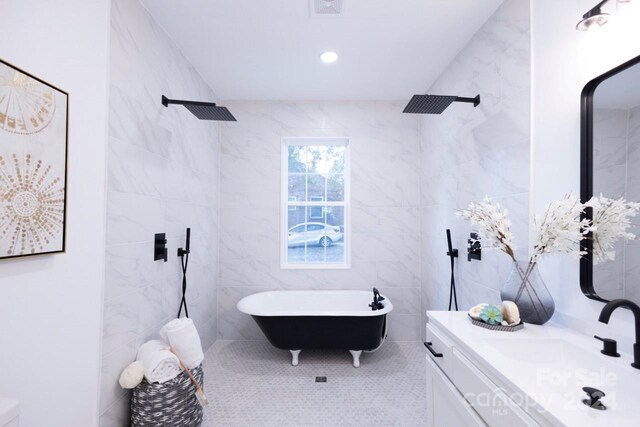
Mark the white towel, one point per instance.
(182, 336)
(160, 364)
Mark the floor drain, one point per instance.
(321, 379)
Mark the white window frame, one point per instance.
(292, 199)
(284, 199)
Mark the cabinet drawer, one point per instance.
(494, 406)
(446, 406)
(440, 345)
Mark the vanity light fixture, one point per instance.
(593, 17)
(329, 57)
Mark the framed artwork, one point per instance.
(33, 164)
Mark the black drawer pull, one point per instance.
(431, 350)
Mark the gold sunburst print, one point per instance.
(32, 206)
(27, 106)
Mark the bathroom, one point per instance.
(137, 174)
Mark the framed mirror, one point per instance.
(610, 165)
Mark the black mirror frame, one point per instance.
(586, 171)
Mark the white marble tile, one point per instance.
(632, 272)
(163, 176)
(404, 300)
(467, 153)
(263, 247)
(112, 367)
(610, 181)
(130, 267)
(386, 246)
(361, 276)
(402, 274)
(250, 222)
(610, 123)
(132, 218)
(609, 151)
(232, 324)
(232, 246)
(120, 321)
(403, 327)
(118, 414)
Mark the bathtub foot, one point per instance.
(294, 357)
(356, 357)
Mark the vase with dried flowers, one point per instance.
(558, 230)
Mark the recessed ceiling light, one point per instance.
(329, 57)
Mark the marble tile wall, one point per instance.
(163, 176)
(467, 153)
(385, 187)
(616, 146)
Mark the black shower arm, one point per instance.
(475, 101)
(166, 101)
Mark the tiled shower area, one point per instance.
(407, 175)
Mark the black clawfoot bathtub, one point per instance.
(302, 320)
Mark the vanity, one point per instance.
(532, 377)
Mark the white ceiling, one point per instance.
(269, 49)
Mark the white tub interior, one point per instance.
(312, 303)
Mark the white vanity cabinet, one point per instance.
(532, 377)
(460, 394)
(446, 405)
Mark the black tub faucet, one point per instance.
(376, 304)
(605, 315)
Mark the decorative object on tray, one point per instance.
(497, 318)
(501, 328)
(560, 229)
(33, 164)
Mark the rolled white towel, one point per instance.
(160, 364)
(182, 336)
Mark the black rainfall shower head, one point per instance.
(203, 110)
(435, 104)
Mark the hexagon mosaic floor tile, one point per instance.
(250, 383)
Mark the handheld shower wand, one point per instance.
(184, 260)
(452, 254)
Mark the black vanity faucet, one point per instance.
(605, 315)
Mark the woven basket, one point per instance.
(170, 404)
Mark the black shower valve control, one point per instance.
(474, 251)
(160, 251)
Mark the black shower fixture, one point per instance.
(435, 104)
(592, 17)
(203, 110)
(452, 254)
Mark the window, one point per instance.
(315, 203)
(316, 212)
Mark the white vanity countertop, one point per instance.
(546, 367)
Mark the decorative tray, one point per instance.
(496, 327)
